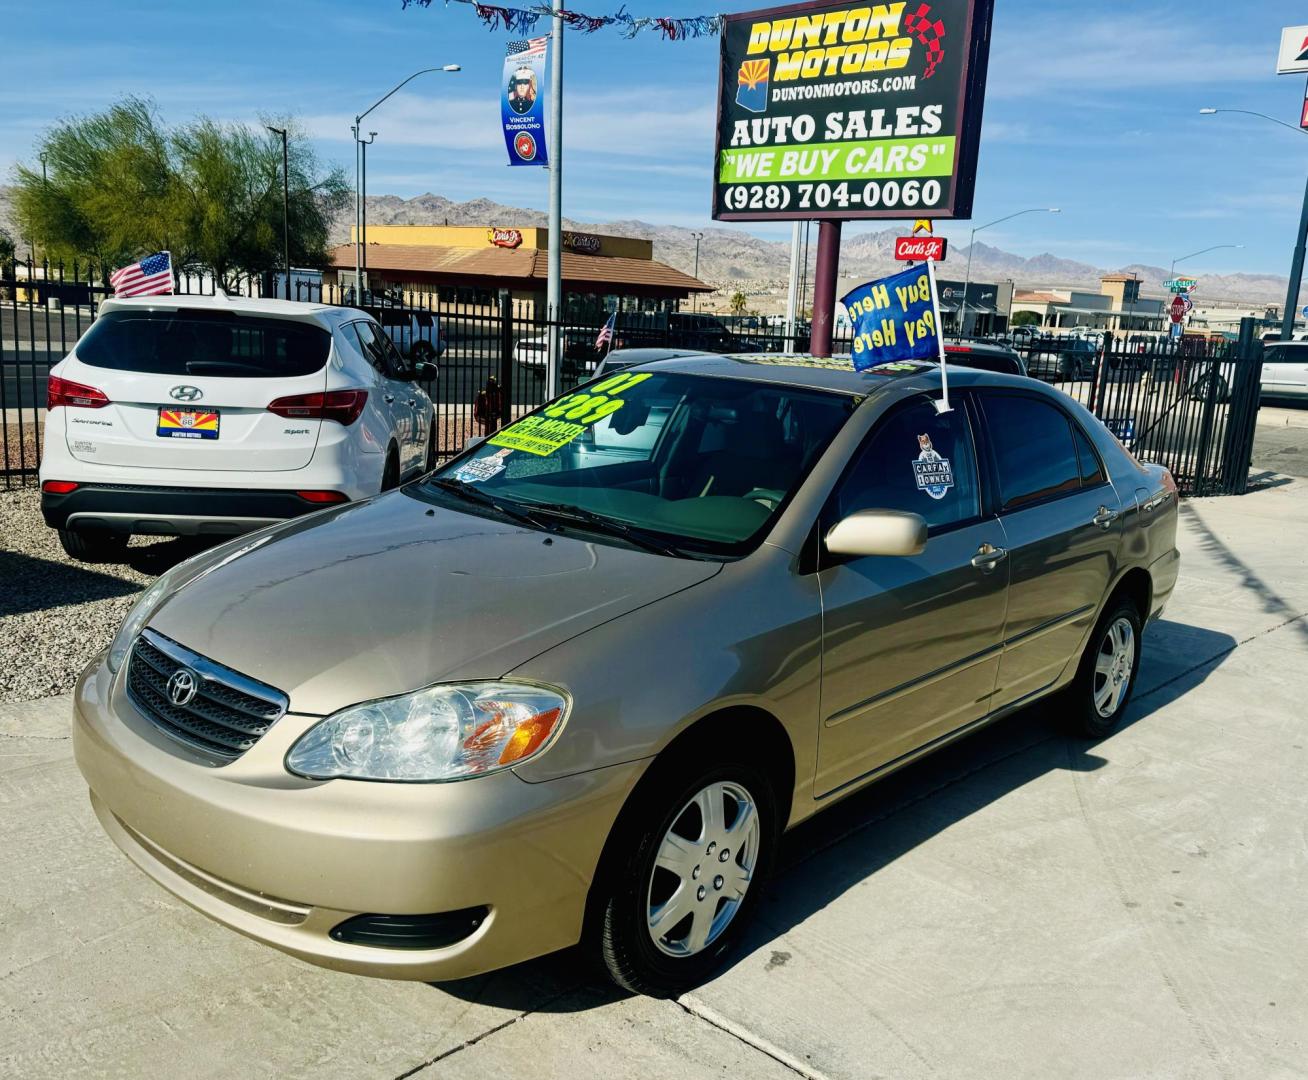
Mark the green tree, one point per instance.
(739, 301)
(1024, 318)
(6, 247)
(119, 185)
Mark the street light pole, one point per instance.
(286, 205)
(967, 281)
(1296, 261)
(363, 200)
(360, 213)
(1216, 247)
(695, 298)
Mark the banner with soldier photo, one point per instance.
(522, 101)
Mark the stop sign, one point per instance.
(1178, 308)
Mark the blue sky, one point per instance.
(1091, 107)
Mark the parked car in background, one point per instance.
(986, 356)
(1066, 358)
(1285, 370)
(416, 333)
(1023, 335)
(209, 415)
(544, 696)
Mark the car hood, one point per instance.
(385, 596)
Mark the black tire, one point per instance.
(621, 939)
(391, 471)
(94, 545)
(1085, 716)
(422, 353)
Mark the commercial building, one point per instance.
(472, 264)
(1117, 305)
(987, 309)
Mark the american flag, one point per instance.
(152, 276)
(527, 49)
(606, 333)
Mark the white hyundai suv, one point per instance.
(199, 415)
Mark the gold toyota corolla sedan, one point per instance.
(575, 684)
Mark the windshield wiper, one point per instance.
(464, 490)
(599, 523)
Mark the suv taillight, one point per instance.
(343, 406)
(66, 392)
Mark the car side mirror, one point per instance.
(878, 532)
(424, 371)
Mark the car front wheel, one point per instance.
(684, 875)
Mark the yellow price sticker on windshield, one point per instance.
(563, 420)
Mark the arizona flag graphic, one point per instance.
(752, 91)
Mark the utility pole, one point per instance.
(792, 290)
(286, 206)
(824, 287)
(554, 261)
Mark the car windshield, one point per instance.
(690, 464)
(189, 342)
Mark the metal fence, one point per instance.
(1190, 405)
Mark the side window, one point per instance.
(368, 343)
(919, 460)
(396, 366)
(1092, 469)
(1033, 446)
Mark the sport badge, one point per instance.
(934, 474)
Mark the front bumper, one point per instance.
(285, 860)
(171, 511)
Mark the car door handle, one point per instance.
(988, 556)
(1105, 517)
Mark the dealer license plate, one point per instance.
(187, 424)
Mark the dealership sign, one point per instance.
(846, 110)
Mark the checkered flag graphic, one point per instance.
(928, 31)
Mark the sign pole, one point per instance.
(1296, 273)
(942, 406)
(824, 287)
(554, 262)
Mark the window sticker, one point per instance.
(558, 424)
(474, 472)
(895, 367)
(934, 474)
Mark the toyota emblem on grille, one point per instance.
(185, 393)
(182, 686)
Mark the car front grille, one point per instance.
(209, 707)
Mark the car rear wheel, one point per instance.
(683, 875)
(1106, 677)
(94, 546)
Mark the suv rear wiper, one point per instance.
(599, 523)
(466, 491)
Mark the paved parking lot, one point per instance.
(1021, 905)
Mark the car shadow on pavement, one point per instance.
(34, 584)
(838, 849)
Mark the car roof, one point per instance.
(645, 355)
(991, 347)
(326, 315)
(836, 374)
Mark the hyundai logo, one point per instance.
(185, 393)
(182, 686)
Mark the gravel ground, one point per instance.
(55, 614)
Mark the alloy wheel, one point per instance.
(1114, 665)
(703, 868)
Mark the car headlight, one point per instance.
(447, 732)
(139, 616)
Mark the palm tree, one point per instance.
(738, 302)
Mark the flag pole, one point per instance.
(942, 406)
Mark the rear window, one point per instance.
(193, 342)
